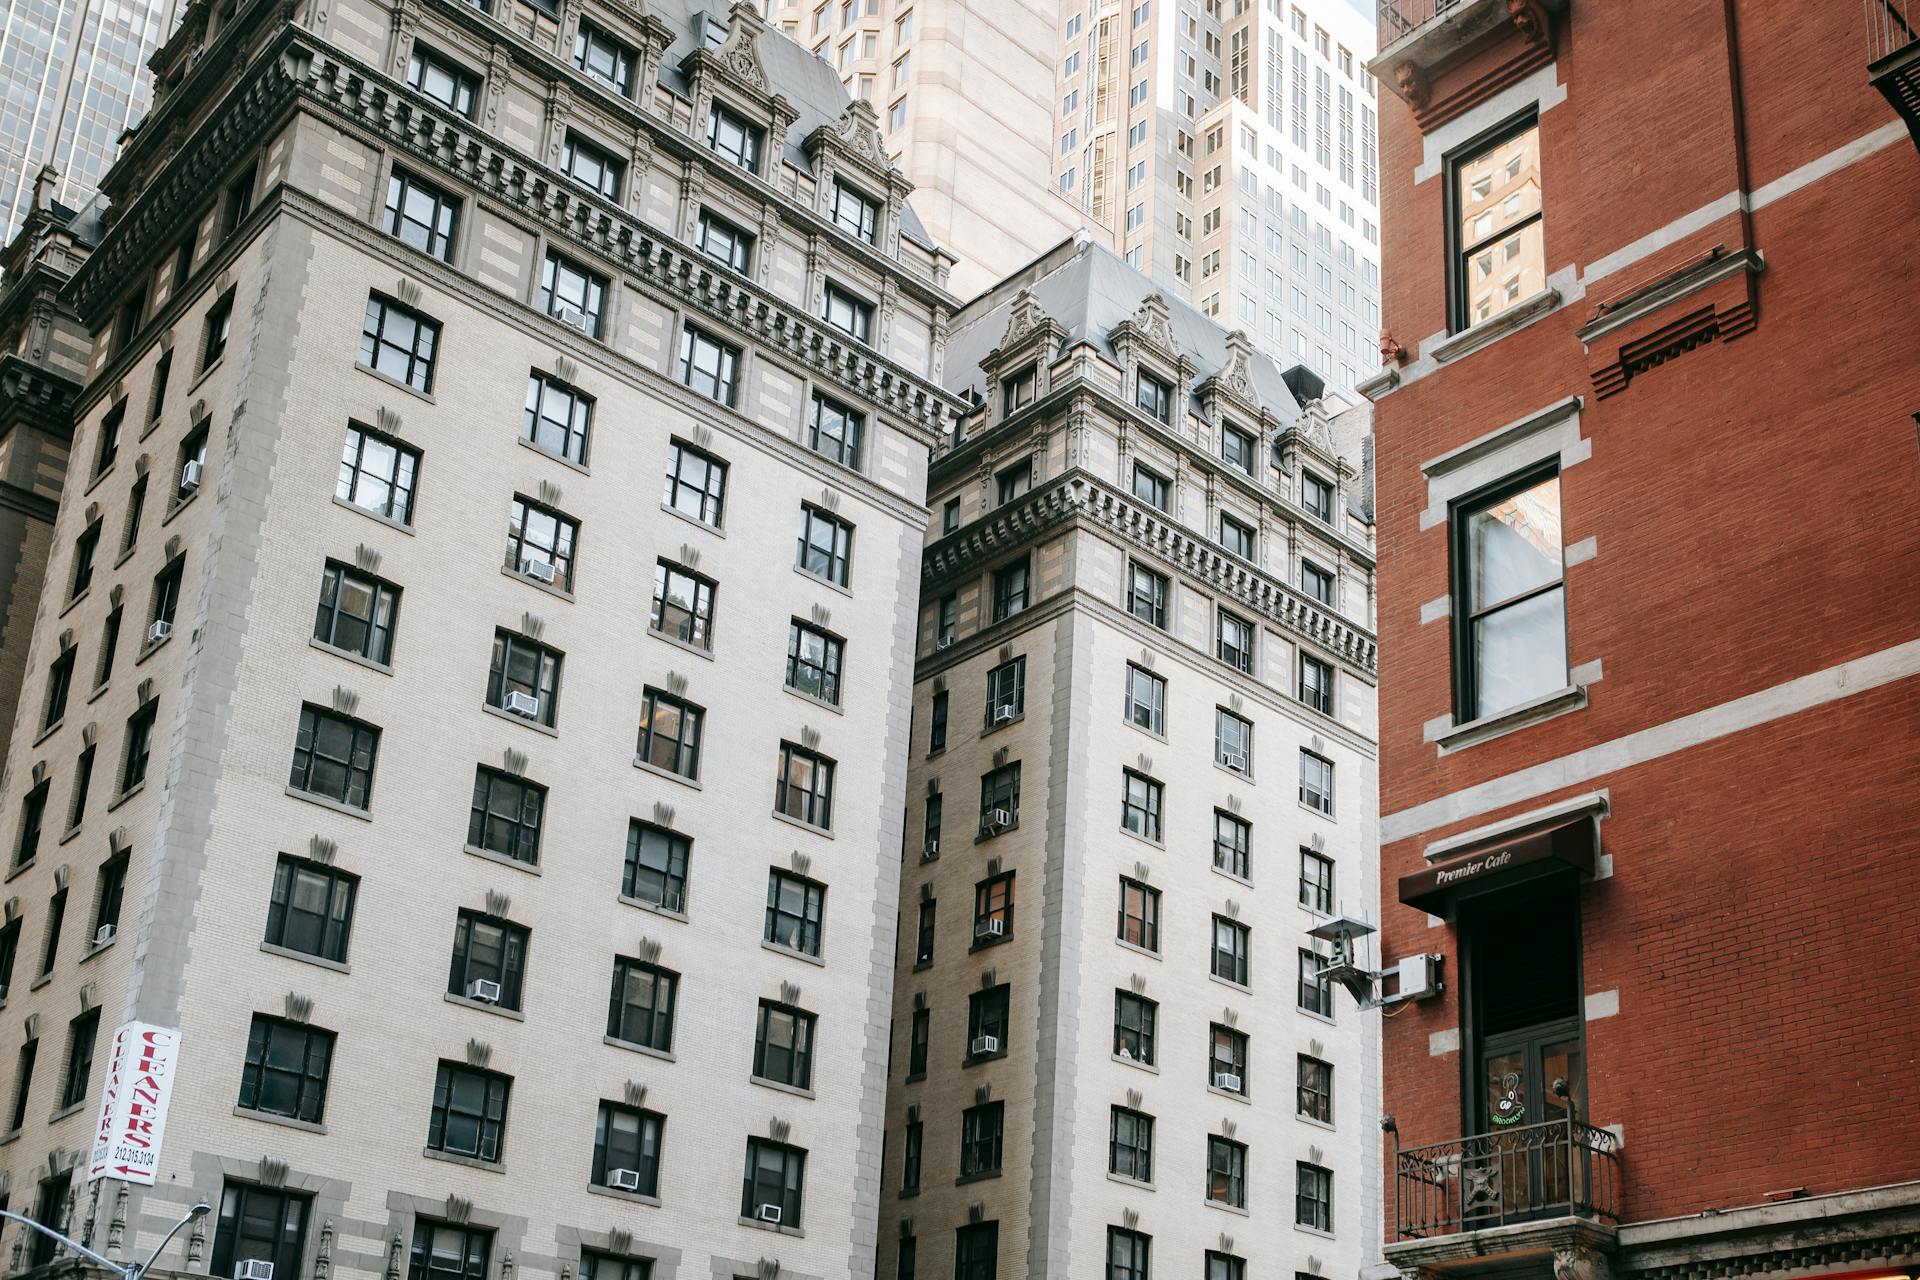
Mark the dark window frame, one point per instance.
(1459, 253)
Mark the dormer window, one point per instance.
(604, 58)
(1019, 389)
(1154, 396)
(733, 138)
(853, 212)
(1238, 448)
(1316, 495)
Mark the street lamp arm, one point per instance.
(199, 1210)
(74, 1245)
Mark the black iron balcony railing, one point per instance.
(1398, 17)
(1893, 57)
(1559, 1168)
(1889, 28)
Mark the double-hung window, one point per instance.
(857, 214)
(1232, 951)
(489, 958)
(540, 543)
(399, 342)
(139, 748)
(976, 1251)
(311, 908)
(1237, 536)
(559, 418)
(1018, 389)
(1226, 1171)
(1316, 882)
(1139, 914)
(1155, 396)
(1316, 684)
(919, 1032)
(33, 819)
(836, 432)
(83, 1033)
(1236, 638)
(982, 1133)
(59, 685)
(724, 242)
(1152, 488)
(357, 612)
(524, 678)
(219, 328)
(333, 757)
(1007, 691)
(734, 138)
(286, 1069)
(1227, 1059)
(775, 1182)
(1315, 993)
(1147, 594)
(86, 551)
(1140, 798)
(796, 909)
(626, 1149)
(1232, 844)
(445, 1251)
(1134, 1017)
(260, 1224)
(1000, 799)
(1510, 633)
(1010, 589)
(783, 1045)
(696, 483)
(1315, 1091)
(803, 790)
(1146, 699)
(421, 215)
(1013, 482)
(606, 59)
(851, 315)
(989, 1016)
(655, 870)
(683, 604)
(377, 474)
(993, 909)
(595, 1265)
(1238, 448)
(670, 733)
(1316, 782)
(1495, 233)
(825, 545)
(1313, 1196)
(1316, 582)
(1128, 1254)
(572, 294)
(640, 1010)
(813, 661)
(709, 365)
(507, 815)
(1233, 740)
(469, 1113)
(1225, 1266)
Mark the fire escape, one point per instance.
(1893, 59)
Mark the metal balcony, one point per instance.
(1893, 58)
(1523, 1174)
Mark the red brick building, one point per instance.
(1649, 522)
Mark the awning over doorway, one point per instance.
(1504, 859)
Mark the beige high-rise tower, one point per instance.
(480, 730)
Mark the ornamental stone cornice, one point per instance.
(37, 396)
(1079, 498)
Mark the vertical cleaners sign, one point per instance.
(133, 1104)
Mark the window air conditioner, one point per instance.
(103, 936)
(768, 1213)
(1002, 714)
(484, 990)
(1235, 760)
(999, 820)
(623, 1179)
(523, 704)
(1124, 1054)
(189, 481)
(253, 1269)
(983, 1045)
(1226, 1080)
(944, 642)
(575, 317)
(159, 631)
(993, 927)
(931, 851)
(538, 570)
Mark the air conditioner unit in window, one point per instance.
(522, 704)
(983, 1045)
(1002, 714)
(253, 1269)
(999, 820)
(1234, 760)
(930, 851)
(189, 481)
(944, 642)
(993, 927)
(1226, 1080)
(1124, 1054)
(575, 317)
(768, 1213)
(623, 1179)
(159, 631)
(483, 990)
(103, 935)
(538, 570)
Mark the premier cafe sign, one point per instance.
(1513, 856)
(133, 1103)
